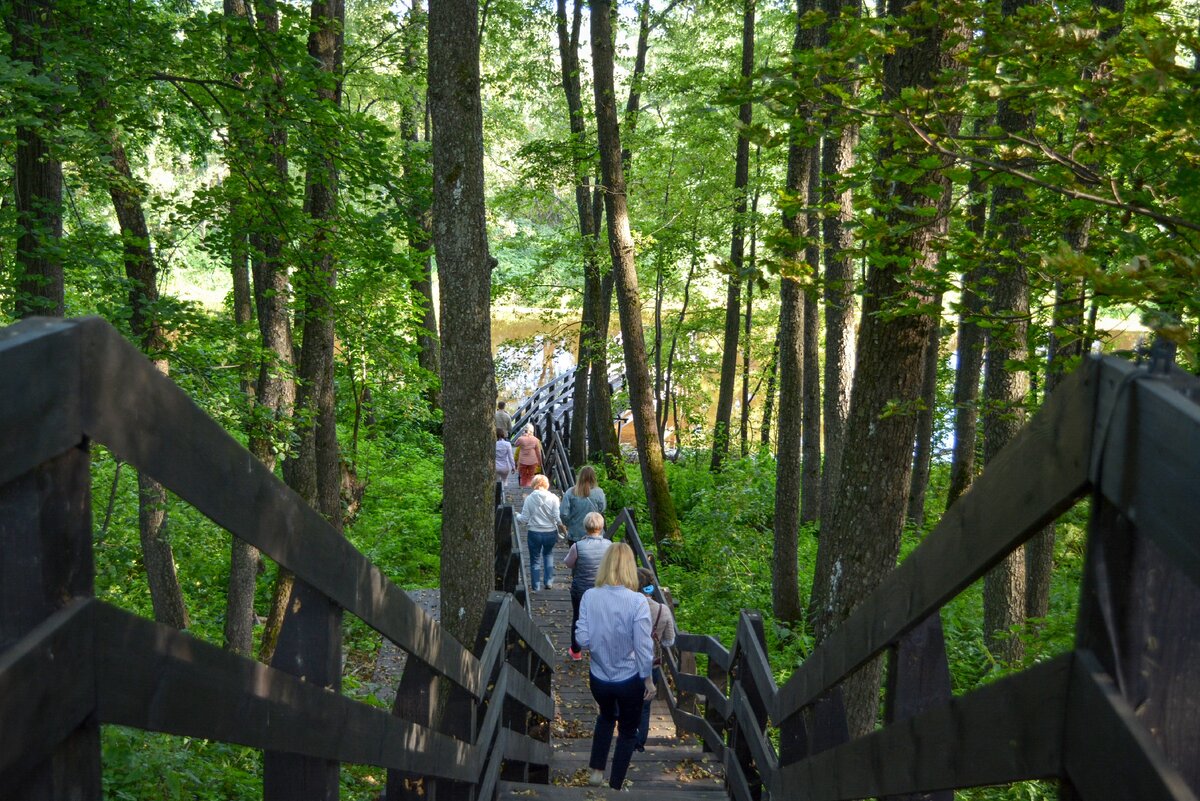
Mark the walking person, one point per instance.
(529, 462)
(662, 631)
(614, 624)
(505, 465)
(580, 501)
(540, 514)
(503, 421)
(584, 560)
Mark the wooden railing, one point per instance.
(70, 663)
(1116, 718)
(549, 410)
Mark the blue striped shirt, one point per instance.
(614, 623)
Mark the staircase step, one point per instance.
(513, 791)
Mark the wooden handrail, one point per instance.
(1131, 438)
(81, 382)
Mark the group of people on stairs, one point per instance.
(613, 615)
(529, 458)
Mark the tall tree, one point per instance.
(860, 539)
(969, 355)
(37, 170)
(733, 299)
(785, 585)
(310, 639)
(810, 474)
(275, 395)
(465, 276)
(1006, 379)
(620, 239)
(141, 273)
(923, 448)
(429, 353)
(837, 162)
(591, 339)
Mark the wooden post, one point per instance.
(416, 700)
(720, 677)
(744, 729)
(918, 678)
(45, 561)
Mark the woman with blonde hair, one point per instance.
(614, 624)
(580, 501)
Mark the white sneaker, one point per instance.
(596, 778)
(549, 585)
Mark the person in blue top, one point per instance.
(614, 624)
(580, 501)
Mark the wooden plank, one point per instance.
(1149, 463)
(754, 653)
(520, 748)
(1109, 755)
(39, 404)
(1039, 475)
(153, 677)
(537, 640)
(491, 772)
(524, 692)
(704, 644)
(1008, 731)
(735, 781)
(152, 424)
(47, 690)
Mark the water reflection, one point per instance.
(529, 351)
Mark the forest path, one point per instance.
(670, 768)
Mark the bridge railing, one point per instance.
(549, 410)
(1116, 718)
(70, 663)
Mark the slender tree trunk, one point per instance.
(785, 586)
(769, 400)
(658, 497)
(310, 638)
(669, 390)
(428, 345)
(810, 480)
(860, 539)
(142, 274)
(37, 172)
(837, 161)
(590, 339)
(1006, 387)
(923, 450)
(969, 357)
(464, 268)
(276, 392)
(752, 273)
(243, 557)
(733, 298)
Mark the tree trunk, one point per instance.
(142, 274)
(37, 172)
(464, 269)
(310, 638)
(785, 586)
(428, 344)
(733, 297)
(810, 481)
(276, 389)
(923, 450)
(860, 539)
(744, 423)
(969, 357)
(590, 339)
(637, 372)
(837, 161)
(243, 557)
(769, 400)
(1006, 387)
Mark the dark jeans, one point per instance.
(541, 548)
(576, 597)
(621, 704)
(644, 727)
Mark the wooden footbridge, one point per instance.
(1116, 718)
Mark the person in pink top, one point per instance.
(530, 460)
